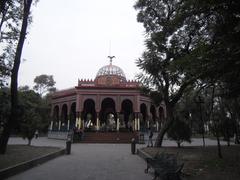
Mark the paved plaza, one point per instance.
(92, 162)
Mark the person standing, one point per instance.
(36, 134)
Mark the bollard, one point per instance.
(68, 143)
(133, 146)
(68, 146)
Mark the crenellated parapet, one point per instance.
(86, 83)
(64, 92)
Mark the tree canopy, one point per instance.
(188, 43)
(44, 83)
(10, 19)
(15, 54)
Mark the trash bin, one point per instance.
(133, 146)
(68, 146)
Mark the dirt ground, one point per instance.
(20, 153)
(204, 163)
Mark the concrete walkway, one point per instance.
(87, 162)
(92, 161)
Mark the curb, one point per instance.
(16, 169)
(143, 154)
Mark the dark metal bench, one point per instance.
(165, 166)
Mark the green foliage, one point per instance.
(31, 102)
(44, 83)
(4, 106)
(172, 33)
(30, 119)
(190, 39)
(34, 111)
(10, 18)
(13, 55)
(188, 44)
(30, 123)
(179, 131)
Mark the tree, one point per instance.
(14, 77)
(227, 129)
(186, 45)
(180, 131)
(233, 106)
(4, 107)
(172, 33)
(30, 124)
(44, 83)
(30, 119)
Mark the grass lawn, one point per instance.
(203, 163)
(20, 153)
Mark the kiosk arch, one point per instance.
(108, 115)
(89, 114)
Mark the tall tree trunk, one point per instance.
(166, 125)
(215, 125)
(218, 145)
(29, 142)
(14, 80)
(178, 144)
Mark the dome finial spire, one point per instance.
(111, 57)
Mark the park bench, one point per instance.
(165, 166)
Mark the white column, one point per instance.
(59, 125)
(76, 122)
(68, 125)
(117, 123)
(157, 125)
(97, 123)
(147, 123)
(51, 125)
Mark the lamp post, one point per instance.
(200, 101)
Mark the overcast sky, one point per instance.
(71, 40)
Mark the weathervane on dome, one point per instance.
(111, 57)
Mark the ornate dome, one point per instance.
(111, 70)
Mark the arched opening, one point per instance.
(64, 118)
(127, 112)
(72, 115)
(107, 115)
(143, 119)
(89, 115)
(55, 118)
